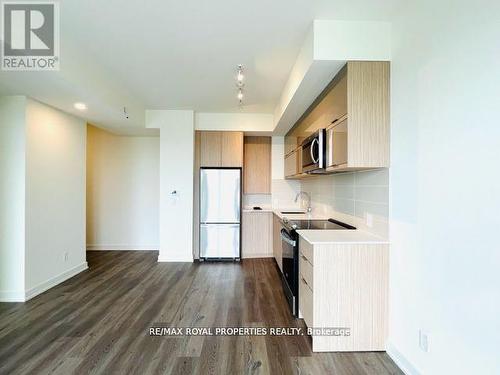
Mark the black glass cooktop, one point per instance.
(319, 224)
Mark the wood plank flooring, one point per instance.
(98, 322)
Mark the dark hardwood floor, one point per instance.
(98, 322)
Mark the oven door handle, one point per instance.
(286, 237)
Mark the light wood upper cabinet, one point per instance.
(329, 106)
(257, 165)
(221, 149)
(360, 140)
(292, 163)
(368, 125)
(232, 149)
(210, 149)
(354, 108)
(291, 143)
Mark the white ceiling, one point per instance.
(161, 54)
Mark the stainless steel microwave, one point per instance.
(314, 152)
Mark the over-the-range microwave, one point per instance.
(314, 152)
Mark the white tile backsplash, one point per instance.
(351, 196)
(284, 192)
(378, 177)
(261, 200)
(374, 194)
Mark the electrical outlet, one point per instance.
(423, 341)
(369, 220)
(66, 256)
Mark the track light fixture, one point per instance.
(239, 83)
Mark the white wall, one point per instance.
(55, 196)
(352, 40)
(12, 207)
(445, 185)
(176, 174)
(122, 191)
(247, 122)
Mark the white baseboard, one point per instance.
(171, 259)
(50, 283)
(96, 247)
(12, 296)
(403, 363)
(253, 256)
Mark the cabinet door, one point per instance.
(232, 149)
(210, 149)
(290, 143)
(277, 241)
(334, 105)
(337, 144)
(291, 164)
(256, 230)
(299, 160)
(257, 165)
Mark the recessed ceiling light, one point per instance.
(80, 106)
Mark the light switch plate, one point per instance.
(423, 341)
(369, 220)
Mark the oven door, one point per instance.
(313, 152)
(289, 257)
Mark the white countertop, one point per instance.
(264, 209)
(323, 237)
(303, 216)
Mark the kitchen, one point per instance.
(344, 133)
(254, 188)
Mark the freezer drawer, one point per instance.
(220, 195)
(219, 241)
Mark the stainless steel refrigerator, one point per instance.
(220, 213)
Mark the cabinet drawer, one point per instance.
(306, 249)
(306, 270)
(306, 302)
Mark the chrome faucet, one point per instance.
(309, 209)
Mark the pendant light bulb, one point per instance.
(240, 75)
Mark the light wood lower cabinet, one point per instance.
(277, 249)
(257, 234)
(344, 287)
